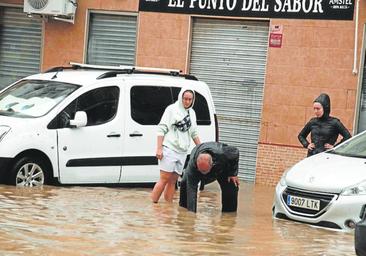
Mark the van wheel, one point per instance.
(28, 172)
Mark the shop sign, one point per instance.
(275, 36)
(284, 9)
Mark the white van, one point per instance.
(88, 124)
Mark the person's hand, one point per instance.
(159, 153)
(234, 179)
(311, 146)
(328, 146)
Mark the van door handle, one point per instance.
(113, 135)
(135, 134)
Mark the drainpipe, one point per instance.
(354, 71)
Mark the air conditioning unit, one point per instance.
(51, 7)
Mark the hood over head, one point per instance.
(324, 100)
(180, 96)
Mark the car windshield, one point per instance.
(33, 98)
(355, 147)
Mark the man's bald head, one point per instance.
(204, 163)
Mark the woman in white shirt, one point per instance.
(176, 129)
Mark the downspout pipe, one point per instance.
(354, 71)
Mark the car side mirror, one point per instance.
(80, 120)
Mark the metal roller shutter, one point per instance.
(230, 55)
(20, 45)
(112, 39)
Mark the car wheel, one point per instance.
(28, 172)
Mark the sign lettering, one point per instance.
(284, 9)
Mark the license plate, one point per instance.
(303, 202)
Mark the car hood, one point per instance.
(17, 122)
(326, 172)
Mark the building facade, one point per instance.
(264, 64)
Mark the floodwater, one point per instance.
(122, 221)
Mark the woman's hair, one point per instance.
(187, 91)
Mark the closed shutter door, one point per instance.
(112, 39)
(362, 114)
(230, 56)
(20, 45)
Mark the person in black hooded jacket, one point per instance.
(324, 129)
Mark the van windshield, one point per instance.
(355, 147)
(33, 98)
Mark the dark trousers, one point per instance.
(183, 193)
(229, 195)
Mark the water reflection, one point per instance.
(123, 221)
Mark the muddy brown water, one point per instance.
(56, 220)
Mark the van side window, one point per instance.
(99, 104)
(148, 103)
(200, 107)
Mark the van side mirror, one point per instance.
(80, 120)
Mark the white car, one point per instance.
(327, 189)
(88, 124)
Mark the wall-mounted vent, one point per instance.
(50, 7)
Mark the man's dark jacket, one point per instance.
(225, 164)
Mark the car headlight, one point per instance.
(283, 178)
(3, 131)
(358, 189)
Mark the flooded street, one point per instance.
(123, 221)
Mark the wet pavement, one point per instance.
(122, 221)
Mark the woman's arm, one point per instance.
(159, 148)
(197, 140)
(343, 131)
(303, 134)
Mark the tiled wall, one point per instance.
(163, 40)
(316, 57)
(64, 42)
(273, 160)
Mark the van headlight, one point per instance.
(355, 190)
(3, 131)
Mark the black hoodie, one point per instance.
(324, 129)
